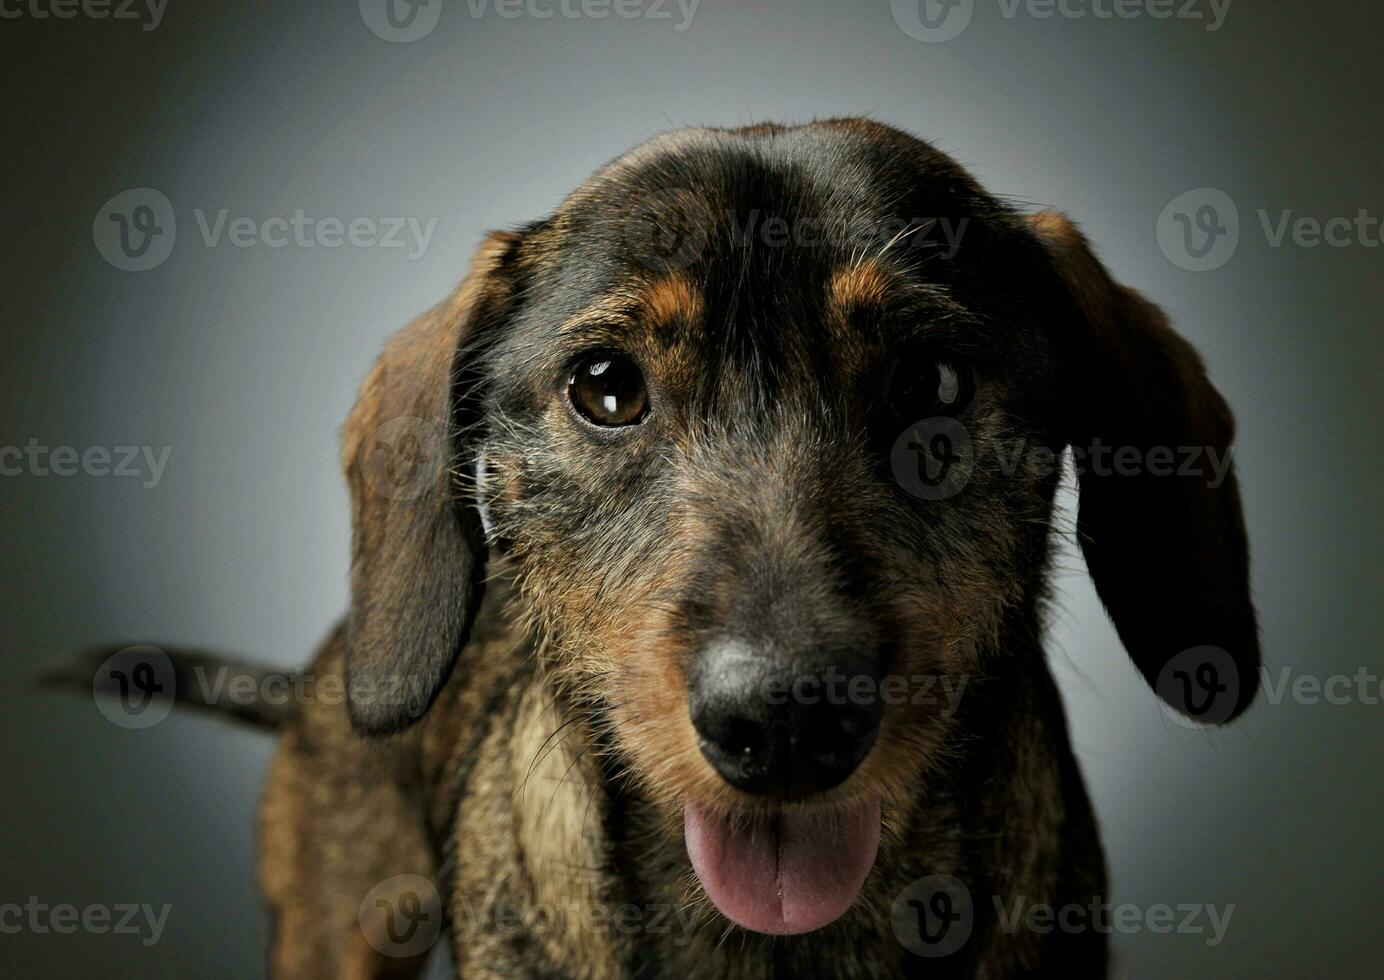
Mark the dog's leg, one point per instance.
(338, 826)
(1036, 840)
(532, 893)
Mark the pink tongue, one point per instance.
(795, 874)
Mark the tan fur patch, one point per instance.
(673, 300)
(559, 834)
(863, 284)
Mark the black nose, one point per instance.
(786, 732)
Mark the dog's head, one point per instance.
(764, 423)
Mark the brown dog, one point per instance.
(701, 541)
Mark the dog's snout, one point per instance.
(784, 732)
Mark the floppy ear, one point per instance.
(1164, 541)
(418, 555)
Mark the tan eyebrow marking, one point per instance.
(863, 284)
(673, 299)
(669, 300)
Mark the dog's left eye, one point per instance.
(607, 389)
(926, 384)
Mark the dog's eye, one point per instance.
(925, 384)
(608, 389)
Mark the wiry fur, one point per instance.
(550, 772)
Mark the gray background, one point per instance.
(245, 361)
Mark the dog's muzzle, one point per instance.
(786, 734)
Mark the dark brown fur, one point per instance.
(541, 750)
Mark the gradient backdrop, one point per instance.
(244, 361)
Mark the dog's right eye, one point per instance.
(926, 383)
(607, 389)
